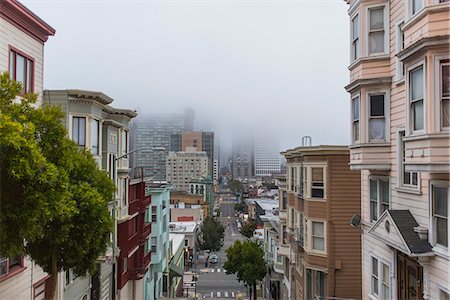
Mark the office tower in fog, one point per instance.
(242, 155)
(267, 154)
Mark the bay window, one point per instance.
(440, 211)
(355, 119)
(79, 131)
(407, 178)
(355, 38)
(377, 119)
(379, 197)
(416, 98)
(445, 94)
(21, 69)
(377, 30)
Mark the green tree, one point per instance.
(248, 229)
(246, 260)
(211, 235)
(240, 207)
(54, 199)
(235, 186)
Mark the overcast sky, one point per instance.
(279, 64)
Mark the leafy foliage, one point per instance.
(211, 235)
(246, 260)
(240, 207)
(235, 186)
(53, 196)
(248, 229)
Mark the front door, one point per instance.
(409, 278)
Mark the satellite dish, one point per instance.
(355, 221)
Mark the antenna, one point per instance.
(306, 141)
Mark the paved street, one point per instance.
(213, 281)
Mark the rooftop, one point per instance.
(183, 227)
(177, 241)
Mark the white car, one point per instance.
(214, 259)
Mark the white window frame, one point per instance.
(387, 127)
(410, 124)
(308, 187)
(352, 121)
(438, 248)
(99, 137)
(380, 263)
(378, 179)
(438, 62)
(400, 68)
(309, 236)
(353, 57)
(124, 144)
(400, 163)
(409, 7)
(385, 28)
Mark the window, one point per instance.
(153, 244)
(292, 179)
(124, 191)
(186, 242)
(355, 38)
(124, 143)
(317, 185)
(440, 214)
(355, 119)
(70, 276)
(445, 94)
(21, 69)
(376, 30)
(124, 265)
(379, 197)
(39, 290)
(8, 265)
(416, 6)
(154, 214)
(443, 295)
(380, 280)
(400, 69)
(416, 95)
(95, 137)
(318, 237)
(409, 179)
(316, 282)
(377, 120)
(79, 131)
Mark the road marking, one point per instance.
(232, 294)
(212, 295)
(212, 270)
(225, 294)
(218, 294)
(218, 270)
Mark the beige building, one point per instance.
(184, 167)
(399, 100)
(23, 36)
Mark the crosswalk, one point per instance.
(217, 270)
(219, 295)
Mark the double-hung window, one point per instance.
(355, 38)
(21, 69)
(377, 118)
(124, 191)
(95, 137)
(380, 285)
(318, 236)
(79, 131)
(153, 243)
(317, 183)
(400, 41)
(292, 179)
(316, 283)
(379, 197)
(154, 214)
(440, 199)
(445, 94)
(416, 99)
(355, 119)
(408, 178)
(124, 143)
(376, 30)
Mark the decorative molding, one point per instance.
(358, 83)
(423, 45)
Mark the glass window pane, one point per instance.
(377, 129)
(375, 266)
(356, 131)
(377, 105)
(417, 84)
(445, 80)
(373, 210)
(12, 65)
(445, 113)
(442, 231)
(3, 265)
(29, 76)
(95, 137)
(20, 70)
(75, 129)
(386, 274)
(318, 229)
(376, 18)
(376, 41)
(414, 178)
(355, 27)
(82, 132)
(356, 49)
(318, 244)
(407, 177)
(416, 6)
(317, 174)
(440, 201)
(373, 189)
(356, 108)
(418, 115)
(385, 192)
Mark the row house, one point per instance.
(400, 123)
(134, 242)
(95, 125)
(323, 256)
(22, 38)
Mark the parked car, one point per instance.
(213, 259)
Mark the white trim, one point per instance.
(439, 249)
(352, 17)
(399, 66)
(133, 251)
(378, 179)
(380, 262)
(386, 28)
(408, 10)
(353, 97)
(387, 126)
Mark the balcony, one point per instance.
(427, 153)
(370, 157)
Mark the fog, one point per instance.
(239, 64)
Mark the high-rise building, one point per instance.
(400, 122)
(199, 140)
(267, 155)
(242, 155)
(151, 140)
(184, 167)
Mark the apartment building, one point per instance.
(134, 243)
(267, 154)
(399, 92)
(324, 253)
(242, 164)
(183, 167)
(94, 124)
(23, 36)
